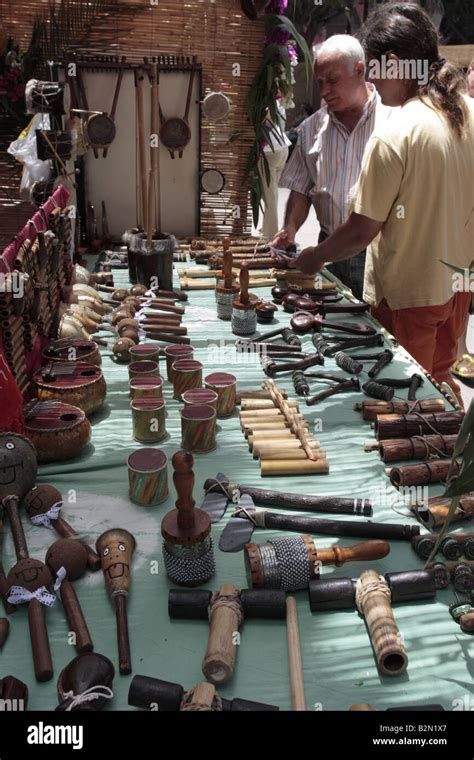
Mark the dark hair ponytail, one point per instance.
(406, 30)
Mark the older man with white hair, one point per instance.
(324, 167)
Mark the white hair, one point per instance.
(343, 45)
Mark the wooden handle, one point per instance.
(244, 286)
(125, 659)
(141, 149)
(365, 551)
(75, 617)
(183, 479)
(219, 660)
(294, 655)
(11, 505)
(227, 265)
(43, 663)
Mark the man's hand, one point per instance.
(308, 261)
(284, 238)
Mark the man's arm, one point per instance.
(348, 240)
(296, 212)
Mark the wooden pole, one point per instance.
(141, 150)
(294, 655)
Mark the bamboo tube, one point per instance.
(271, 411)
(260, 395)
(293, 467)
(285, 445)
(278, 454)
(284, 436)
(255, 404)
(294, 655)
(393, 450)
(370, 409)
(373, 601)
(275, 425)
(289, 414)
(219, 661)
(432, 471)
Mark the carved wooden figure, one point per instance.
(116, 547)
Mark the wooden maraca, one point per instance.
(43, 504)
(116, 547)
(187, 545)
(28, 583)
(304, 321)
(85, 684)
(18, 467)
(70, 557)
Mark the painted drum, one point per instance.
(187, 374)
(224, 384)
(148, 477)
(200, 396)
(149, 385)
(141, 368)
(145, 351)
(198, 428)
(172, 353)
(148, 415)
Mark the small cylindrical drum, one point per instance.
(187, 374)
(198, 428)
(200, 396)
(141, 368)
(150, 385)
(244, 321)
(148, 477)
(172, 353)
(148, 419)
(145, 351)
(224, 384)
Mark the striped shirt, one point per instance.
(327, 159)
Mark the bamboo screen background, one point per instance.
(220, 35)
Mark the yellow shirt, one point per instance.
(418, 178)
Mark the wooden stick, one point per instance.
(141, 152)
(294, 655)
(156, 150)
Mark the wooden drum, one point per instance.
(59, 431)
(70, 350)
(75, 383)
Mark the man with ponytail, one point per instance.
(414, 203)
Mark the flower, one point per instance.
(277, 6)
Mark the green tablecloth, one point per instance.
(339, 666)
